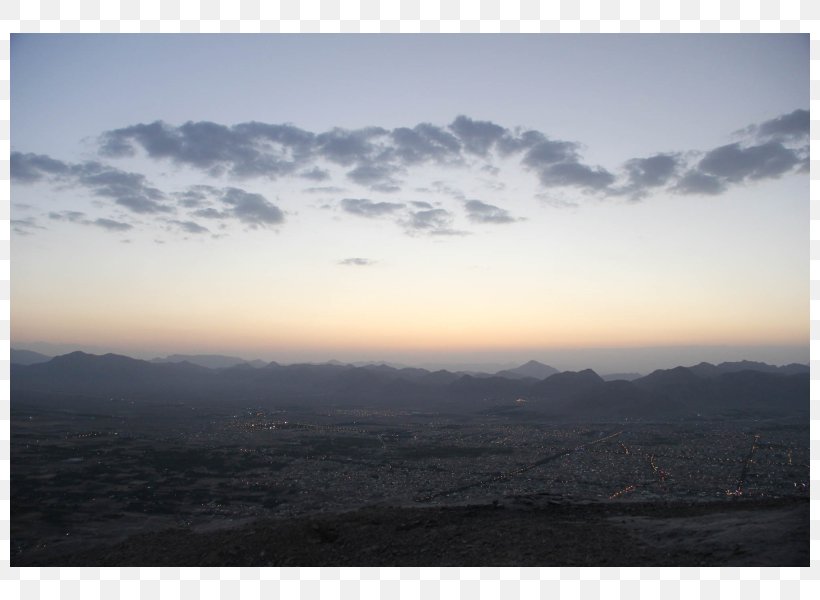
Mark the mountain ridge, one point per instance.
(676, 392)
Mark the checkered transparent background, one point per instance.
(406, 16)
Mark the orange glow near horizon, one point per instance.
(423, 331)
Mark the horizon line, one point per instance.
(397, 364)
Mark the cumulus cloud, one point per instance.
(72, 216)
(378, 158)
(771, 149)
(25, 226)
(195, 196)
(244, 150)
(735, 163)
(792, 126)
(129, 190)
(141, 204)
(357, 262)
(315, 174)
(575, 174)
(420, 204)
(434, 218)
(110, 224)
(252, 209)
(375, 157)
(557, 163)
(133, 192)
(189, 226)
(211, 213)
(425, 142)
(229, 203)
(378, 176)
(516, 141)
(477, 136)
(696, 182)
(645, 174)
(367, 208)
(545, 153)
(347, 147)
(30, 168)
(653, 171)
(435, 221)
(480, 212)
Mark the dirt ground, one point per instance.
(524, 531)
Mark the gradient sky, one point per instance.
(611, 201)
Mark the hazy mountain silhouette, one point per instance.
(621, 376)
(533, 369)
(27, 357)
(568, 384)
(211, 361)
(705, 369)
(113, 375)
(676, 377)
(665, 393)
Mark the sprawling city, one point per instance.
(92, 475)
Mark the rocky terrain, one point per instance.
(527, 531)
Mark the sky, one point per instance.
(620, 202)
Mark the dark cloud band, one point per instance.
(377, 158)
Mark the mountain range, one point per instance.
(211, 361)
(729, 389)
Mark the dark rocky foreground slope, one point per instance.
(529, 531)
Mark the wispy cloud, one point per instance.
(357, 262)
(25, 226)
(73, 216)
(480, 212)
(367, 208)
(132, 192)
(189, 226)
(434, 221)
(129, 190)
(110, 224)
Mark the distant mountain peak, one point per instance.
(706, 369)
(585, 375)
(532, 368)
(27, 357)
(77, 355)
(210, 361)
